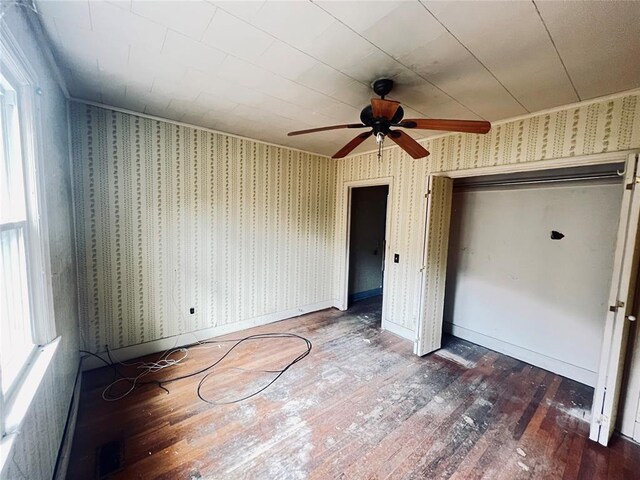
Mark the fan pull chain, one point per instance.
(380, 141)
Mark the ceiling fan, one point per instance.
(383, 114)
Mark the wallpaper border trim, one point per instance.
(162, 344)
(526, 116)
(189, 125)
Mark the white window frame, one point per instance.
(15, 68)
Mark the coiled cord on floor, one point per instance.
(166, 361)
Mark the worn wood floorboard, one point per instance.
(360, 406)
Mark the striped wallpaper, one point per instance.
(171, 217)
(605, 126)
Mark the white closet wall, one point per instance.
(512, 288)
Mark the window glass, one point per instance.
(12, 195)
(16, 339)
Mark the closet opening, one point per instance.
(530, 263)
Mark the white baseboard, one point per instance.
(399, 330)
(554, 365)
(160, 345)
(337, 303)
(64, 454)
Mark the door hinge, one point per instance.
(614, 308)
(423, 268)
(602, 419)
(426, 195)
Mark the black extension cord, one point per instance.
(259, 336)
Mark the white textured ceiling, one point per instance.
(261, 69)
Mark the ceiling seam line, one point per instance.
(208, 24)
(254, 90)
(396, 60)
(287, 79)
(90, 17)
(566, 71)
(298, 50)
(474, 56)
(164, 40)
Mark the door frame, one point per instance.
(577, 161)
(343, 299)
(565, 162)
(621, 308)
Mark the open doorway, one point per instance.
(367, 241)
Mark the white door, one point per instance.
(434, 265)
(614, 342)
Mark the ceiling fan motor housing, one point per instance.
(383, 114)
(382, 86)
(379, 124)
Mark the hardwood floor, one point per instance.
(360, 406)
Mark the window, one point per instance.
(16, 339)
(27, 331)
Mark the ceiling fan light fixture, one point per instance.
(382, 114)
(380, 142)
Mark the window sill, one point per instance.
(18, 405)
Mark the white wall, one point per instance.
(36, 446)
(512, 288)
(366, 238)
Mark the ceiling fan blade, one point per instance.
(384, 108)
(468, 126)
(408, 144)
(322, 129)
(346, 150)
